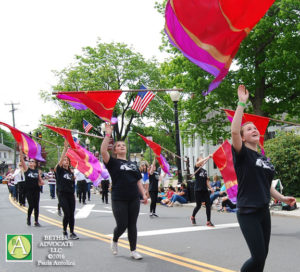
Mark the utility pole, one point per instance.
(13, 109)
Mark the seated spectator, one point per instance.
(220, 193)
(161, 194)
(227, 205)
(181, 196)
(216, 184)
(169, 194)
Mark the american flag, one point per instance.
(87, 126)
(142, 100)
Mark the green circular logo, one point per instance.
(19, 247)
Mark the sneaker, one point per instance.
(65, 234)
(73, 236)
(209, 224)
(193, 220)
(151, 214)
(37, 224)
(135, 255)
(154, 214)
(114, 247)
(28, 222)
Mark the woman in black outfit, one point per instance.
(153, 188)
(65, 184)
(33, 180)
(201, 191)
(126, 186)
(254, 175)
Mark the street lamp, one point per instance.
(175, 95)
(87, 142)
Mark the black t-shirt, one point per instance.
(185, 195)
(201, 179)
(124, 175)
(105, 185)
(254, 175)
(32, 179)
(153, 182)
(65, 181)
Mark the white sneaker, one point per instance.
(135, 255)
(114, 247)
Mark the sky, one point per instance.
(38, 37)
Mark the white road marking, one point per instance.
(85, 211)
(178, 230)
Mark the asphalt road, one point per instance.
(168, 243)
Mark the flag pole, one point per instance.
(87, 134)
(124, 91)
(276, 120)
(173, 153)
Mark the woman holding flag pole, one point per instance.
(65, 183)
(254, 175)
(125, 190)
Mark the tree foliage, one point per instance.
(284, 151)
(8, 139)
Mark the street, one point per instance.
(167, 243)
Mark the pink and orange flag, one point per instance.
(81, 158)
(209, 32)
(157, 151)
(29, 147)
(223, 159)
(101, 103)
(260, 122)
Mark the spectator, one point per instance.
(181, 196)
(220, 193)
(169, 194)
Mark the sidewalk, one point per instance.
(294, 213)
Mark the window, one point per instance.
(0, 155)
(215, 166)
(4, 155)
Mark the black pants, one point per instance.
(202, 196)
(58, 200)
(126, 213)
(33, 199)
(153, 196)
(105, 196)
(17, 192)
(256, 228)
(67, 202)
(22, 195)
(228, 203)
(81, 190)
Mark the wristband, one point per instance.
(242, 104)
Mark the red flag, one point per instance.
(31, 148)
(260, 122)
(154, 146)
(66, 133)
(223, 159)
(101, 103)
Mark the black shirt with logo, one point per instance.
(153, 182)
(32, 180)
(201, 180)
(124, 175)
(254, 175)
(65, 181)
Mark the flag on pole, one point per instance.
(66, 133)
(223, 159)
(142, 100)
(209, 33)
(157, 151)
(30, 147)
(260, 122)
(86, 126)
(101, 103)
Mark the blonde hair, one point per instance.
(215, 177)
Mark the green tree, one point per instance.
(284, 151)
(268, 63)
(8, 139)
